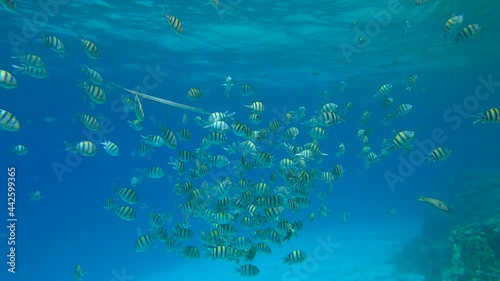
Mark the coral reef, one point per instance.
(466, 245)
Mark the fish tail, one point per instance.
(69, 146)
(18, 67)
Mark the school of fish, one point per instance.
(221, 182)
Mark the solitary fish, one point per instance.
(228, 85)
(435, 203)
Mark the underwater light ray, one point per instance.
(167, 102)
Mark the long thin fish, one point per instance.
(167, 102)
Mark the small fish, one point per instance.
(7, 80)
(84, 148)
(296, 256)
(387, 102)
(89, 47)
(95, 93)
(383, 90)
(248, 270)
(19, 149)
(195, 94)
(125, 213)
(411, 82)
(30, 60)
(52, 42)
(143, 243)
(228, 85)
(247, 90)
(191, 252)
(39, 73)
(439, 154)
(8, 121)
(174, 22)
(93, 75)
(111, 148)
(468, 32)
(452, 25)
(491, 115)
(256, 106)
(435, 203)
(402, 139)
(89, 121)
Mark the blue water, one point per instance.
(275, 47)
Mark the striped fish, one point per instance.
(89, 47)
(402, 139)
(168, 137)
(111, 148)
(247, 90)
(7, 80)
(468, 32)
(248, 270)
(93, 75)
(125, 213)
(411, 81)
(154, 173)
(174, 22)
(219, 126)
(256, 106)
(95, 93)
(89, 121)
(84, 148)
(34, 72)
(195, 94)
(296, 256)
(19, 149)
(30, 60)
(184, 134)
(8, 121)
(143, 243)
(451, 25)
(52, 42)
(439, 154)
(191, 252)
(127, 195)
(491, 115)
(383, 90)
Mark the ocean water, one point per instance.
(295, 54)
